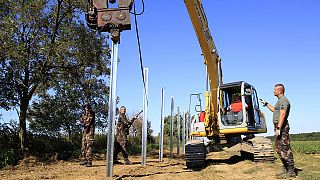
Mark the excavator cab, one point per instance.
(239, 109)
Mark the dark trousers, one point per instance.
(86, 147)
(283, 147)
(120, 145)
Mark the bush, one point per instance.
(9, 157)
(9, 140)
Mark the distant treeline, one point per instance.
(313, 136)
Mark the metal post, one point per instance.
(145, 119)
(112, 108)
(187, 128)
(161, 126)
(171, 126)
(178, 129)
(183, 131)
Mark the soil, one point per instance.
(220, 165)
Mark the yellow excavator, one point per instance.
(222, 122)
(232, 116)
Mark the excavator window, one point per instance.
(232, 114)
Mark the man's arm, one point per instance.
(281, 118)
(270, 107)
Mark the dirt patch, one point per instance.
(220, 165)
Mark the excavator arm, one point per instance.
(211, 60)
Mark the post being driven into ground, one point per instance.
(112, 108)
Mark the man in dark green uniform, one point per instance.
(281, 112)
(87, 121)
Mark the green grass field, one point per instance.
(306, 147)
(307, 156)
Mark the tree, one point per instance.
(135, 133)
(41, 43)
(61, 110)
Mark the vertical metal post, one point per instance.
(171, 126)
(183, 131)
(161, 127)
(178, 129)
(187, 124)
(145, 119)
(112, 107)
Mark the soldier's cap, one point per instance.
(88, 106)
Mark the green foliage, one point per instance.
(9, 154)
(100, 143)
(8, 157)
(166, 137)
(306, 147)
(313, 136)
(45, 48)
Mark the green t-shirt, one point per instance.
(282, 103)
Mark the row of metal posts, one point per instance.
(112, 111)
(185, 128)
(112, 117)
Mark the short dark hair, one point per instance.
(123, 107)
(280, 85)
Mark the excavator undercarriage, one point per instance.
(257, 149)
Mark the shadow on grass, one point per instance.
(146, 175)
(232, 160)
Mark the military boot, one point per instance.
(127, 162)
(291, 171)
(84, 162)
(89, 164)
(116, 162)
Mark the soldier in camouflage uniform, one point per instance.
(87, 121)
(281, 112)
(121, 141)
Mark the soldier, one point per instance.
(121, 140)
(281, 112)
(87, 121)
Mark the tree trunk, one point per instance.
(69, 134)
(22, 124)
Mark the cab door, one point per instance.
(257, 113)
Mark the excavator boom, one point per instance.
(211, 56)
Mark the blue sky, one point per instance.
(262, 42)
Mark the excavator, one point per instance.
(220, 125)
(234, 130)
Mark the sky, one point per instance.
(261, 42)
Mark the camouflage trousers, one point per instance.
(87, 143)
(120, 145)
(283, 147)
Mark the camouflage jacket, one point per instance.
(123, 126)
(88, 120)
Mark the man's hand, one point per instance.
(277, 132)
(263, 102)
(137, 115)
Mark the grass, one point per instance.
(250, 171)
(307, 165)
(306, 147)
(306, 155)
